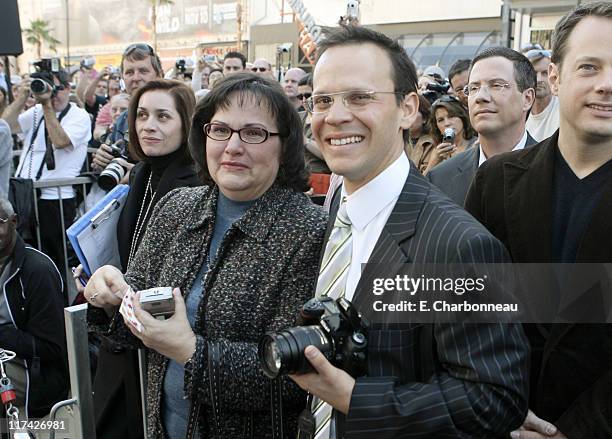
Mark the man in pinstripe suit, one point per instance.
(425, 381)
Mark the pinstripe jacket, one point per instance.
(441, 380)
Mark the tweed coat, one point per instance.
(265, 269)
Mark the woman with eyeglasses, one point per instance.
(241, 254)
(159, 119)
(448, 113)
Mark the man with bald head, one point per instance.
(290, 85)
(262, 67)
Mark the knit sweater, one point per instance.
(266, 268)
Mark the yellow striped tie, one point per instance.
(332, 283)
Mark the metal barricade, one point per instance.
(59, 183)
(84, 425)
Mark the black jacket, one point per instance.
(177, 174)
(454, 176)
(572, 381)
(33, 292)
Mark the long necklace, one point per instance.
(141, 219)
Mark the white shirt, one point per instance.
(369, 209)
(68, 161)
(520, 145)
(542, 126)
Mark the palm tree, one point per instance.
(154, 5)
(39, 33)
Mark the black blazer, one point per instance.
(474, 383)
(572, 381)
(177, 174)
(454, 176)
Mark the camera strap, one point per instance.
(306, 421)
(49, 159)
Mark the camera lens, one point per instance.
(111, 176)
(283, 352)
(38, 86)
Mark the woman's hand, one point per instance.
(78, 275)
(106, 287)
(173, 338)
(440, 153)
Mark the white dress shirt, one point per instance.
(520, 145)
(369, 208)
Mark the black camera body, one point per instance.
(42, 79)
(436, 90)
(335, 327)
(181, 65)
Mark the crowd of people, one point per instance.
(250, 195)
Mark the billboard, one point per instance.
(117, 22)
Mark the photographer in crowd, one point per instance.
(450, 129)
(139, 65)
(56, 133)
(243, 249)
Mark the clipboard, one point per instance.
(94, 235)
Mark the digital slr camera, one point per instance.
(114, 171)
(435, 91)
(42, 78)
(332, 326)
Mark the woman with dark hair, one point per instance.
(449, 113)
(421, 146)
(243, 251)
(159, 119)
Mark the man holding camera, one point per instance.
(500, 91)
(56, 133)
(422, 380)
(139, 65)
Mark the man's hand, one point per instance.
(102, 157)
(173, 338)
(329, 383)
(536, 428)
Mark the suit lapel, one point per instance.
(528, 204)
(400, 227)
(467, 168)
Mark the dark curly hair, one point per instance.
(455, 109)
(292, 172)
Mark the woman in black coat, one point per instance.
(159, 119)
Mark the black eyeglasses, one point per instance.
(259, 69)
(139, 46)
(302, 96)
(254, 135)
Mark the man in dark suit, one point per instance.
(422, 380)
(500, 92)
(553, 203)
